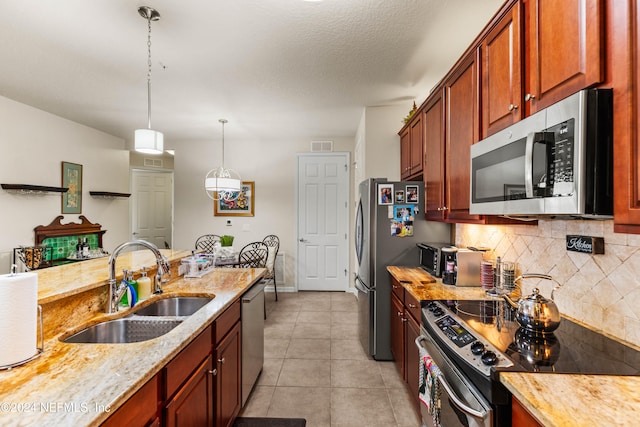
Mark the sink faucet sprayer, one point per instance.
(116, 291)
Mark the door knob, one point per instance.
(302, 240)
(213, 372)
(221, 360)
(529, 97)
(512, 107)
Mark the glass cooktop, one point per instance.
(571, 348)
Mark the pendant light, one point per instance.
(149, 141)
(222, 183)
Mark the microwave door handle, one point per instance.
(528, 166)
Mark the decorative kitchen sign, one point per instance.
(242, 205)
(72, 179)
(585, 244)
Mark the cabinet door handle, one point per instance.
(213, 372)
(399, 314)
(404, 319)
(412, 305)
(512, 107)
(221, 360)
(529, 97)
(444, 208)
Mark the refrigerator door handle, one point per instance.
(359, 284)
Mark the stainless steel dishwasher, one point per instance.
(252, 337)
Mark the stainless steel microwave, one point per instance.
(556, 162)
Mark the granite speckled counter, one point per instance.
(554, 399)
(82, 384)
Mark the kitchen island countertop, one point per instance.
(82, 384)
(554, 399)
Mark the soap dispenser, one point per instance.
(144, 286)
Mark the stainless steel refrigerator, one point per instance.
(385, 235)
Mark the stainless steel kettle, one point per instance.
(535, 312)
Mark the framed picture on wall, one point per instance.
(72, 179)
(240, 204)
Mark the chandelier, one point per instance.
(222, 183)
(149, 141)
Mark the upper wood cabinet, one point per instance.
(502, 73)
(623, 23)
(412, 148)
(405, 152)
(538, 53)
(434, 180)
(564, 41)
(461, 93)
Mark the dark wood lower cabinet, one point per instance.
(193, 404)
(405, 328)
(199, 387)
(397, 333)
(520, 417)
(142, 409)
(228, 394)
(412, 356)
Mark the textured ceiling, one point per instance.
(273, 68)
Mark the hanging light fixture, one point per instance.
(148, 140)
(222, 183)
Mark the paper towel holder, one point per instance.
(40, 349)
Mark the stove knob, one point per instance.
(489, 358)
(431, 306)
(477, 348)
(438, 312)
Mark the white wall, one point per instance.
(377, 150)
(270, 164)
(33, 143)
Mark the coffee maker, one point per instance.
(449, 273)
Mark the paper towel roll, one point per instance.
(18, 317)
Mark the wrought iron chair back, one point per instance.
(273, 242)
(253, 255)
(207, 243)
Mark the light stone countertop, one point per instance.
(73, 384)
(554, 399)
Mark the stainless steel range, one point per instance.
(468, 344)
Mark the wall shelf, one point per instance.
(108, 194)
(30, 189)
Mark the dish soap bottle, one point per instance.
(144, 286)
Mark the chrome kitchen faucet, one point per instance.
(116, 291)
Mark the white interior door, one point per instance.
(323, 222)
(152, 206)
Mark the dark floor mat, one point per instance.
(269, 422)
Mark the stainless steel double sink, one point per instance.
(148, 322)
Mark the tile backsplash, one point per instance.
(602, 291)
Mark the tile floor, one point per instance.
(315, 367)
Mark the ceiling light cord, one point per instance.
(149, 73)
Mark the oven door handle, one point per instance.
(452, 396)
